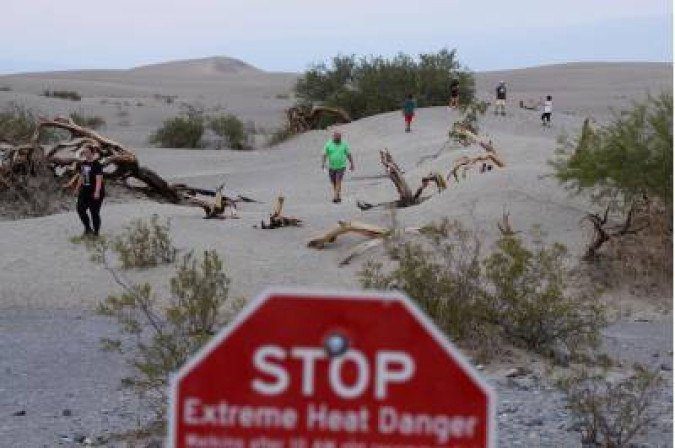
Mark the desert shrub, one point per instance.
(5, 89)
(63, 94)
(628, 159)
(231, 129)
(442, 274)
(144, 244)
(17, 125)
(33, 193)
(180, 132)
(529, 299)
(280, 135)
(88, 121)
(515, 293)
(626, 167)
(164, 334)
(372, 85)
(612, 414)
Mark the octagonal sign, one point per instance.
(330, 370)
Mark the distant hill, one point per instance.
(212, 66)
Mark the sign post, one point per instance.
(316, 370)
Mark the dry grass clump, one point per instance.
(63, 94)
(613, 413)
(142, 244)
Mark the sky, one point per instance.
(289, 35)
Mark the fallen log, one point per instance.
(377, 236)
(214, 207)
(368, 230)
(406, 197)
(121, 165)
(472, 137)
(303, 118)
(277, 220)
(465, 163)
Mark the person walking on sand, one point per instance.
(337, 153)
(90, 192)
(500, 103)
(454, 94)
(548, 109)
(409, 106)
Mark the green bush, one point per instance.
(87, 121)
(17, 125)
(626, 167)
(180, 132)
(372, 85)
(515, 294)
(529, 298)
(63, 94)
(165, 334)
(231, 129)
(142, 244)
(611, 414)
(628, 159)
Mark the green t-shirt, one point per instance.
(409, 106)
(337, 154)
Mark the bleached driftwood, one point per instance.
(277, 219)
(120, 164)
(376, 234)
(406, 197)
(465, 163)
(304, 118)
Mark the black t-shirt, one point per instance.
(501, 93)
(88, 172)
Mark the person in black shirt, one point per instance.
(500, 104)
(91, 191)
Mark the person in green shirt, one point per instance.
(409, 106)
(336, 152)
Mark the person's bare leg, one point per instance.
(338, 190)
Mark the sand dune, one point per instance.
(48, 286)
(258, 258)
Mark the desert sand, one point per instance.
(42, 272)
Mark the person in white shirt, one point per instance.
(548, 109)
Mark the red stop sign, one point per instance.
(311, 370)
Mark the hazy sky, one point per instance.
(288, 35)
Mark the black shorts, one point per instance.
(336, 175)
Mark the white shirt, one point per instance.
(548, 106)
